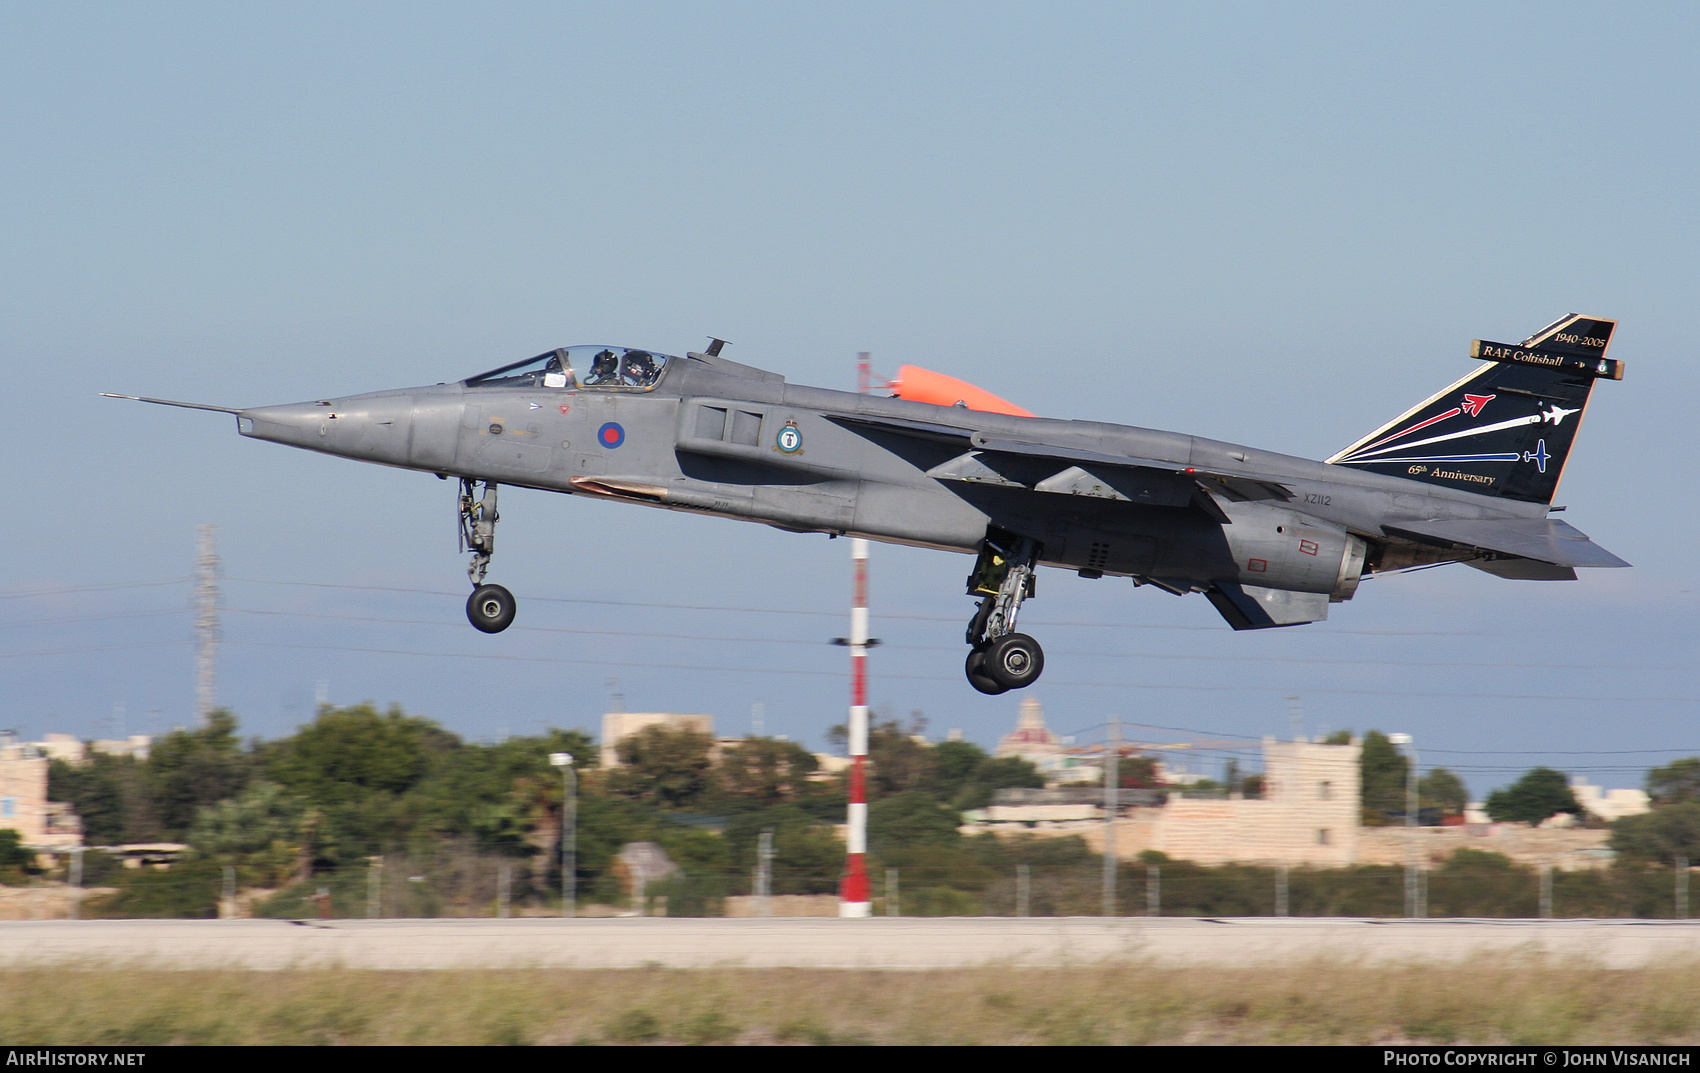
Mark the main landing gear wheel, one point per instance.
(1002, 659)
(490, 608)
(1014, 661)
(977, 676)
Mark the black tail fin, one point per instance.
(1506, 429)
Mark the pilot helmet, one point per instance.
(604, 364)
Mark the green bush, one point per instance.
(188, 889)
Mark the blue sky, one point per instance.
(1273, 225)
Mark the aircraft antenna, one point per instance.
(206, 625)
(854, 900)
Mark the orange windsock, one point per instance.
(923, 385)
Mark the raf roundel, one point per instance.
(611, 435)
(789, 440)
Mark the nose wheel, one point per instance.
(1001, 659)
(490, 608)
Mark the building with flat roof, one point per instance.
(24, 807)
(76, 752)
(1310, 812)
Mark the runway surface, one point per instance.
(880, 943)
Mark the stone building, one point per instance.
(24, 807)
(1610, 805)
(1309, 812)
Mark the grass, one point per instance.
(1488, 1001)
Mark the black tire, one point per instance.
(977, 677)
(490, 608)
(1014, 661)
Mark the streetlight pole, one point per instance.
(1112, 801)
(569, 832)
(1410, 822)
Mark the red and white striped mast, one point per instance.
(854, 900)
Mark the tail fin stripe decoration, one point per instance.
(1553, 416)
(1454, 412)
(1509, 456)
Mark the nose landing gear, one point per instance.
(490, 608)
(1001, 659)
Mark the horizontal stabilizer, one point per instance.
(1547, 540)
(1523, 569)
(1252, 607)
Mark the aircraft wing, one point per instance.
(988, 459)
(1546, 540)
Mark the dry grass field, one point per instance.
(1495, 1000)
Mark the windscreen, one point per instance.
(603, 367)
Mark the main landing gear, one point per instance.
(490, 607)
(1001, 659)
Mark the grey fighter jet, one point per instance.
(1269, 539)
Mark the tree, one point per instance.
(17, 863)
(501, 795)
(760, 772)
(1442, 790)
(954, 765)
(996, 773)
(667, 768)
(1383, 772)
(190, 769)
(348, 755)
(899, 763)
(260, 833)
(1539, 794)
(113, 796)
(911, 819)
(808, 858)
(1663, 834)
(356, 770)
(1675, 783)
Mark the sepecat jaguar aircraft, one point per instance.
(1269, 539)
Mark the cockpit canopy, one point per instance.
(580, 367)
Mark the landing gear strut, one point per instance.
(1001, 659)
(490, 607)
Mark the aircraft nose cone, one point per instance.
(374, 428)
(300, 424)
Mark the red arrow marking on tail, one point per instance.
(1473, 403)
